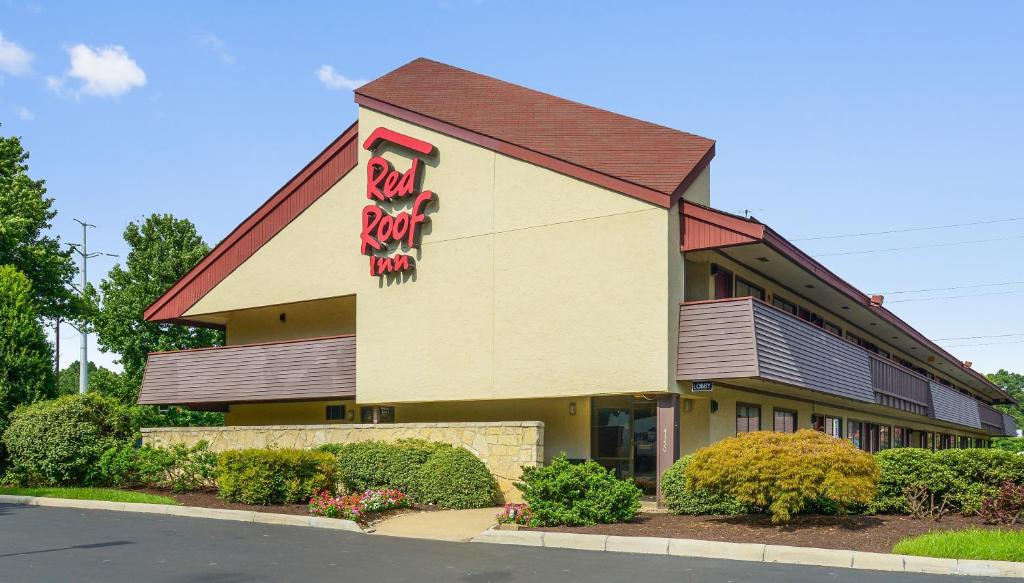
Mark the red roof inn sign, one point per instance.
(385, 184)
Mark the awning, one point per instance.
(297, 370)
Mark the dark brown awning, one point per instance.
(320, 368)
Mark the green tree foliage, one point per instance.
(162, 249)
(781, 472)
(26, 369)
(1014, 384)
(102, 380)
(25, 214)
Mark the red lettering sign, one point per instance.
(384, 184)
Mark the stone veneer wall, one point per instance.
(504, 446)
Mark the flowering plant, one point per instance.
(356, 506)
(514, 514)
(381, 500)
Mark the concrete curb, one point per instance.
(753, 552)
(187, 511)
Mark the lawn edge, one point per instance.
(753, 552)
(186, 511)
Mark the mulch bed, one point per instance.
(210, 500)
(859, 533)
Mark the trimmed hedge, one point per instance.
(682, 498)
(274, 476)
(782, 472)
(455, 478)
(564, 493)
(180, 468)
(430, 472)
(966, 476)
(60, 442)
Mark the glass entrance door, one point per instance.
(624, 437)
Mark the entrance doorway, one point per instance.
(624, 437)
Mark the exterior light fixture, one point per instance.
(282, 317)
(572, 408)
(714, 406)
(763, 259)
(687, 405)
(809, 286)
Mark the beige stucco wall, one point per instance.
(528, 283)
(699, 427)
(503, 447)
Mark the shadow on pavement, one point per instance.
(115, 543)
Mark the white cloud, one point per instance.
(25, 114)
(14, 60)
(335, 80)
(103, 71)
(217, 45)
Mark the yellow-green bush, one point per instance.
(780, 472)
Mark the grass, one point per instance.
(991, 545)
(108, 494)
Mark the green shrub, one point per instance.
(60, 442)
(274, 476)
(367, 465)
(1011, 444)
(179, 468)
(780, 472)
(454, 478)
(682, 498)
(965, 476)
(563, 493)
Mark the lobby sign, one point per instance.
(703, 386)
(386, 185)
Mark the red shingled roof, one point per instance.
(495, 113)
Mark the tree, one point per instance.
(162, 249)
(1013, 383)
(26, 369)
(25, 214)
(102, 380)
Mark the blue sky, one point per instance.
(830, 118)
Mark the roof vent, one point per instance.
(877, 300)
(968, 363)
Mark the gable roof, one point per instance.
(708, 228)
(634, 157)
(295, 196)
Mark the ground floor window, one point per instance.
(829, 425)
(897, 437)
(335, 412)
(853, 433)
(376, 414)
(748, 418)
(784, 421)
(884, 437)
(624, 434)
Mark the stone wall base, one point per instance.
(504, 446)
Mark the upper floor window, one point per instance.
(811, 317)
(784, 305)
(833, 328)
(748, 418)
(746, 289)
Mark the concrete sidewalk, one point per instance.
(449, 525)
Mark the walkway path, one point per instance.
(452, 525)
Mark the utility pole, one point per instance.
(83, 252)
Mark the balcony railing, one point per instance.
(747, 338)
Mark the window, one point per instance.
(811, 317)
(884, 437)
(853, 433)
(784, 305)
(748, 418)
(335, 412)
(833, 329)
(785, 421)
(828, 425)
(865, 344)
(723, 281)
(745, 288)
(897, 437)
(382, 414)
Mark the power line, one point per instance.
(984, 344)
(931, 246)
(911, 230)
(1016, 291)
(914, 291)
(983, 336)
